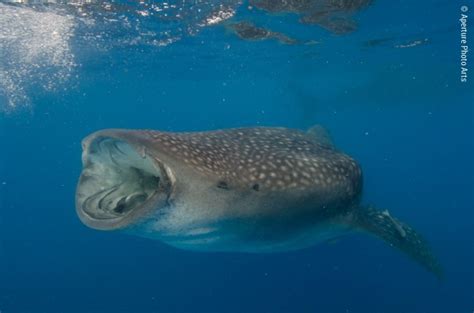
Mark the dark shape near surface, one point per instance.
(376, 42)
(396, 43)
(412, 43)
(257, 189)
(248, 31)
(333, 15)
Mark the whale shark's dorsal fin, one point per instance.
(321, 135)
(396, 234)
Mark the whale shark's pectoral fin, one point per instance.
(321, 136)
(396, 234)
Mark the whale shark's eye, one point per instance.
(116, 180)
(222, 185)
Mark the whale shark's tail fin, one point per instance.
(396, 234)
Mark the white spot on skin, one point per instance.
(305, 182)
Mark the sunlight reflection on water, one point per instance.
(38, 38)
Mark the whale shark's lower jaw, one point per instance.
(119, 183)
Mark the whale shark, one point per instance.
(255, 189)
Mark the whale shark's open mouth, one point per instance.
(118, 183)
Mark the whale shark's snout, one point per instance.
(119, 183)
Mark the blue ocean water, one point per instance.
(389, 92)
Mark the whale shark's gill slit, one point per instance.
(117, 180)
(106, 195)
(120, 208)
(125, 204)
(117, 148)
(113, 159)
(89, 200)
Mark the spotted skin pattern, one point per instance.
(273, 158)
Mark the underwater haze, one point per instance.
(384, 77)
